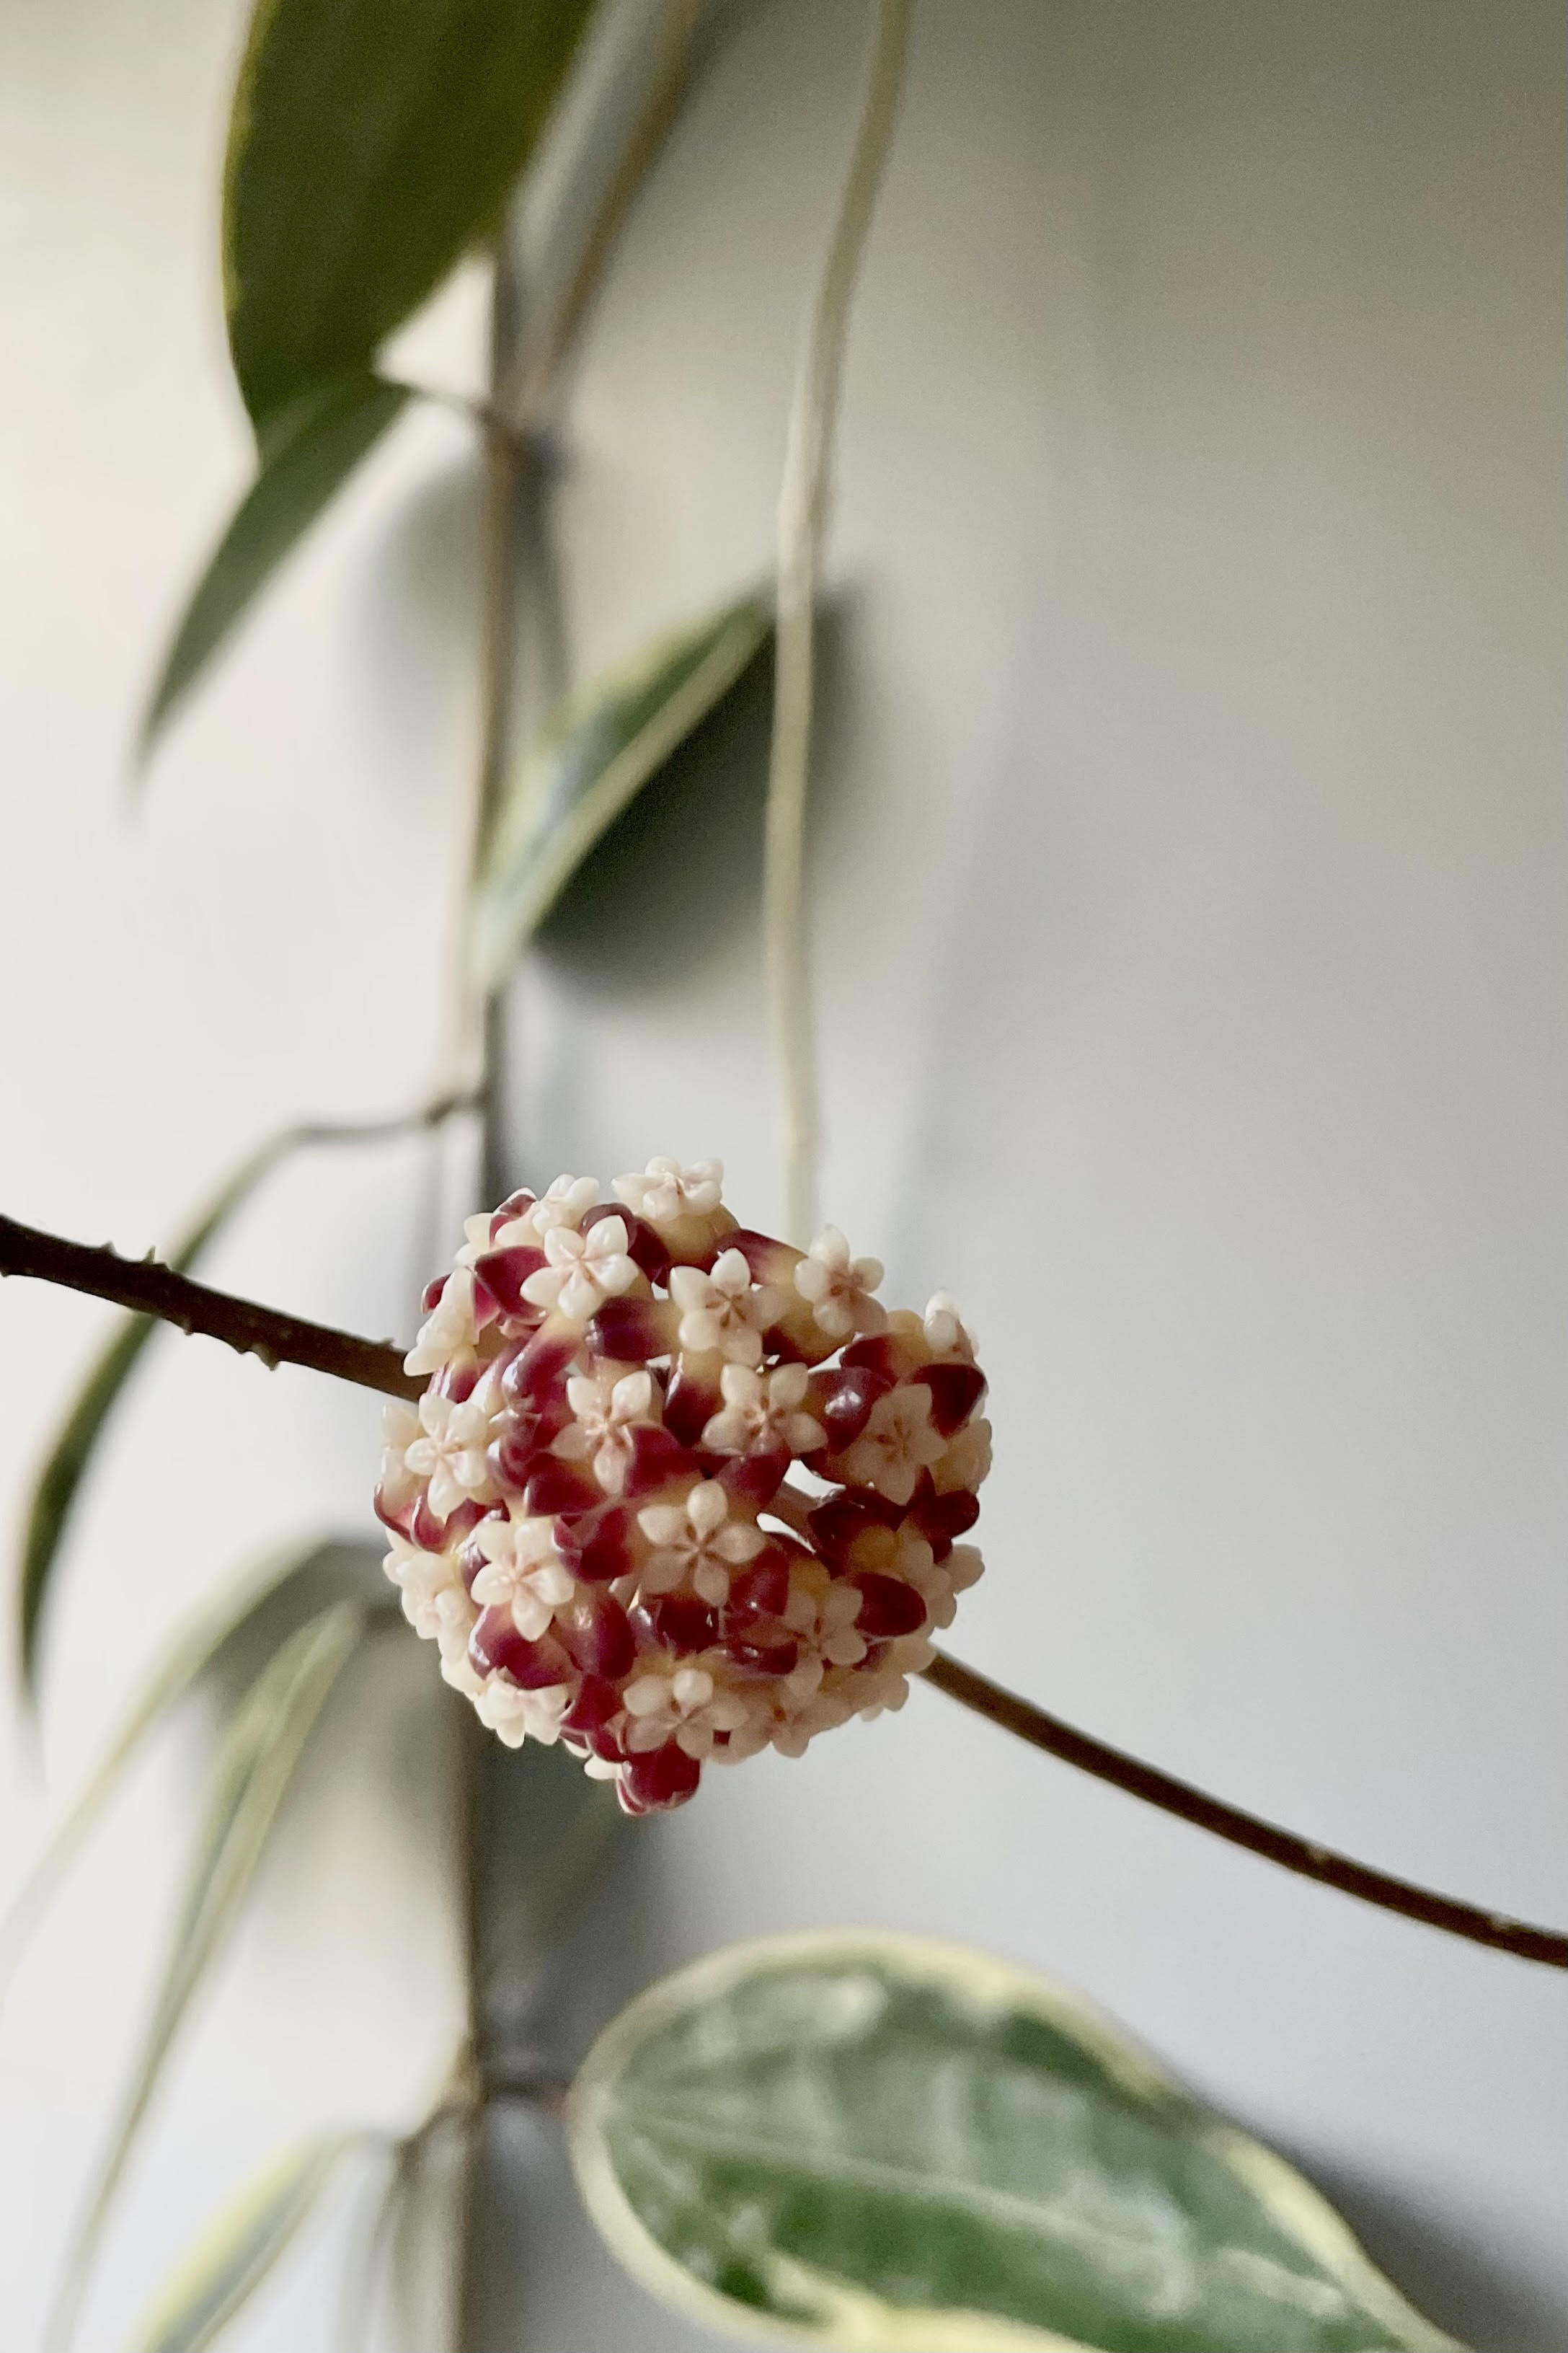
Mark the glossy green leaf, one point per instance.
(69, 1457)
(235, 2255)
(182, 1669)
(254, 1770)
(856, 2138)
(371, 142)
(310, 453)
(597, 754)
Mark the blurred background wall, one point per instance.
(1189, 908)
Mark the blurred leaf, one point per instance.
(69, 1457)
(860, 2138)
(233, 2256)
(181, 1670)
(371, 142)
(366, 2261)
(602, 746)
(253, 1772)
(310, 453)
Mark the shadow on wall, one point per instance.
(1459, 2285)
(677, 879)
(576, 1920)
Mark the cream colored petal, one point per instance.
(663, 1572)
(580, 1295)
(707, 1506)
(689, 1287)
(726, 1433)
(632, 1396)
(699, 1331)
(530, 1615)
(731, 1275)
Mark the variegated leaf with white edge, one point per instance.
(371, 143)
(254, 1771)
(603, 745)
(884, 2141)
(236, 1610)
(310, 452)
(243, 2243)
(65, 1464)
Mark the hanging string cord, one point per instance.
(802, 514)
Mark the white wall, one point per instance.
(1189, 898)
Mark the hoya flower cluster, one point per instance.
(676, 1491)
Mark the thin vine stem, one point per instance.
(1043, 1730)
(802, 503)
(527, 383)
(157, 1290)
(148, 1287)
(506, 459)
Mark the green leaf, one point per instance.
(69, 1457)
(310, 453)
(235, 2255)
(181, 1670)
(371, 142)
(254, 1770)
(600, 750)
(880, 2140)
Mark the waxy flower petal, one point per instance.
(839, 1288)
(584, 1269)
(762, 1414)
(665, 1190)
(615, 1397)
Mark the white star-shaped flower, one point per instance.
(450, 1334)
(665, 1190)
(521, 1573)
(838, 1288)
(967, 1462)
(606, 1414)
(668, 1700)
(697, 1542)
(898, 1443)
(794, 1727)
(449, 1451)
(565, 1203)
(823, 1614)
(399, 1428)
(517, 1716)
(761, 1413)
(421, 1578)
(455, 1620)
(584, 1269)
(721, 1310)
(944, 1329)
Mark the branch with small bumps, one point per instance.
(150, 1288)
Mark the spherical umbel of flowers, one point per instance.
(675, 1491)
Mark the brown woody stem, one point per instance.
(150, 1288)
(154, 1290)
(1043, 1730)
